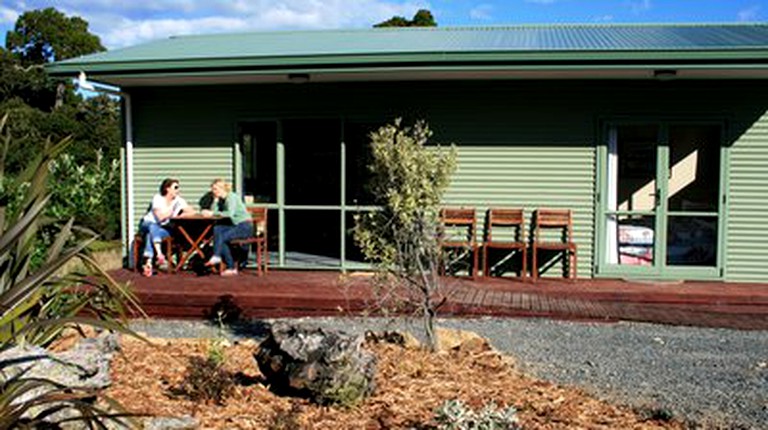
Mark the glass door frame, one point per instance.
(659, 269)
(281, 206)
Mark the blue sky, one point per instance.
(122, 23)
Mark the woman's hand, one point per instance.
(206, 212)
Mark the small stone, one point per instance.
(171, 423)
(453, 339)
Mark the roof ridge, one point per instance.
(457, 28)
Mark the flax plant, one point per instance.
(408, 180)
(36, 303)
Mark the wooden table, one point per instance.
(197, 232)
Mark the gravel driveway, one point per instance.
(716, 378)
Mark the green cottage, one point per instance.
(655, 136)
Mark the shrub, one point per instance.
(455, 415)
(86, 192)
(408, 179)
(36, 304)
(207, 380)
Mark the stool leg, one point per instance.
(265, 249)
(523, 272)
(136, 253)
(258, 258)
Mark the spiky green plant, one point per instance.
(36, 303)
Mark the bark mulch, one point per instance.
(411, 384)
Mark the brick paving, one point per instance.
(297, 293)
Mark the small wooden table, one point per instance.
(197, 230)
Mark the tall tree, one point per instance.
(42, 36)
(41, 107)
(422, 18)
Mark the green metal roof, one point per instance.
(392, 47)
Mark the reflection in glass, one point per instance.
(312, 162)
(358, 148)
(692, 241)
(634, 240)
(694, 168)
(259, 147)
(312, 238)
(636, 151)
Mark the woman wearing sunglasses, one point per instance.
(166, 204)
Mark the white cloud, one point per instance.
(749, 14)
(129, 32)
(120, 23)
(8, 15)
(640, 6)
(481, 12)
(603, 18)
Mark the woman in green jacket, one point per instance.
(241, 227)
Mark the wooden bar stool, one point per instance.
(138, 251)
(258, 240)
(510, 222)
(459, 232)
(559, 220)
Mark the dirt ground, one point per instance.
(411, 384)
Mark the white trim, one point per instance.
(611, 221)
(129, 168)
(86, 85)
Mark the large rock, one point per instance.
(85, 366)
(322, 365)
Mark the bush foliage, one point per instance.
(37, 304)
(408, 180)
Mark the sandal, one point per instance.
(147, 269)
(229, 272)
(162, 263)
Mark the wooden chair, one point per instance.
(258, 240)
(460, 232)
(138, 251)
(504, 220)
(556, 219)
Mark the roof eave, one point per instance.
(587, 59)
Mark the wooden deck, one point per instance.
(314, 293)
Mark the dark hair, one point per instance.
(167, 183)
(206, 202)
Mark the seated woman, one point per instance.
(241, 228)
(166, 204)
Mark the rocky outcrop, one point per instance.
(328, 367)
(85, 367)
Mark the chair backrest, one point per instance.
(259, 220)
(554, 218)
(514, 218)
(459, 218)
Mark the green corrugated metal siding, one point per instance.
(521, 144)
(530, 177)
(194, 167)
(747, 236)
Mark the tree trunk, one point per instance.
(60, 88)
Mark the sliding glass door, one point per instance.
(660, 217)
(311, 173)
